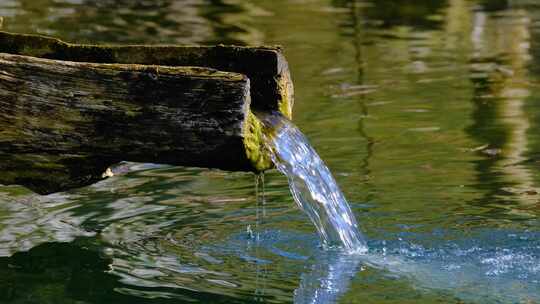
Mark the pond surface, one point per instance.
(427, 112)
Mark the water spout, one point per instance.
(312, 185)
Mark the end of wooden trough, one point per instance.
(69, 111)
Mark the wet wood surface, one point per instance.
(57, 116)
(67, 112)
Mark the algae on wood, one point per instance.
(66, 117)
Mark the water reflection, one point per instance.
(153, 244)
(141, 21)
(78, 272)
(422, 14)
(425, 65)
(329, 278)
(136, 247)
(499, 73)
(471, 269)
(30, 220)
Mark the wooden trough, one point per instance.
(68, 111)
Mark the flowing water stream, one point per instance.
(312, 185)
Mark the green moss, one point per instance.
(14, 191)
(254, 130)
(285, 104)
(254, 144)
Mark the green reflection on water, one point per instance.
(425, 111)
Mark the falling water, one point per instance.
(312, 185)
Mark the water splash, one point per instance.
(312, 185)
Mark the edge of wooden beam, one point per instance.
(271, 84)
(251, 135)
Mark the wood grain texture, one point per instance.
(68, 111)
(62, 123)
(266, 67)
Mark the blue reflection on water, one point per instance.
(492, 266)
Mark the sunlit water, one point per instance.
(426, 112)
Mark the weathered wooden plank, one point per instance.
(62, 122)
(266, 67)
(67, 111)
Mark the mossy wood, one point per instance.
(68, 111)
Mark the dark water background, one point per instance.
(427, 112)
